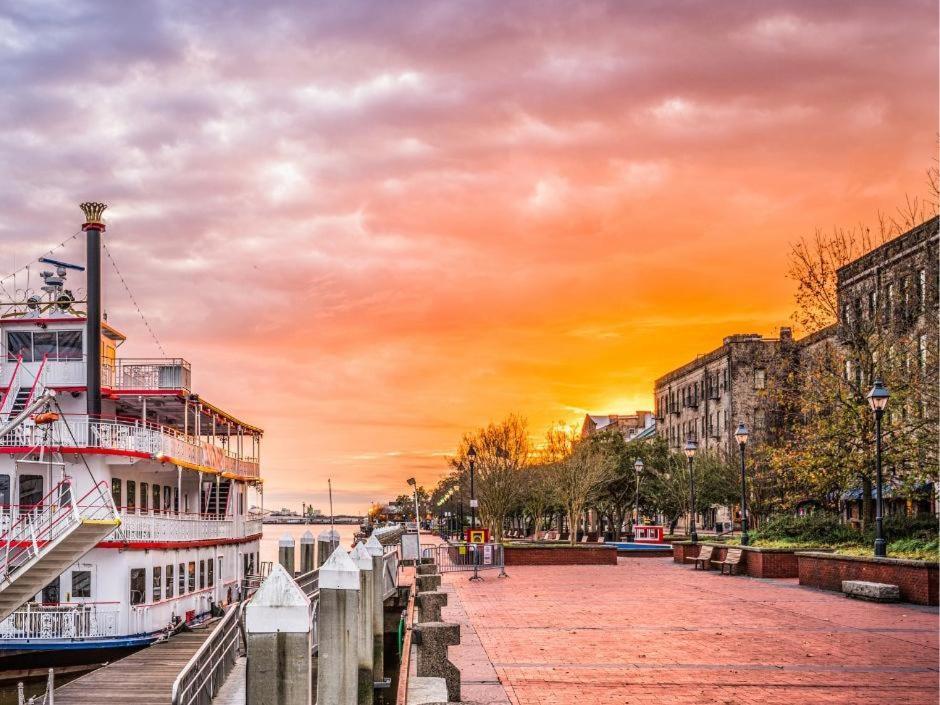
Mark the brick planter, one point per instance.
(918, 580)
(757, 562)
(559, 554)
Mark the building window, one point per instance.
(192, 576)
(157, 582)
(922, 289)
(845, 314)
(759, 379)
(202, 574)
(169, 581)
(144, 496)
(872, 304)
(181, 578)
(922, 351)
(81, 583)
(131, 495)
(116, 492)
(138, 586)
(889, 302)
(848, 370)
(758, 420)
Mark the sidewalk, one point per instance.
(650, 631)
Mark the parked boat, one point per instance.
(125, 496)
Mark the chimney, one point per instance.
(93, 227)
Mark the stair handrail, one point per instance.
(32, 391)
(13, 377)
(22, 534)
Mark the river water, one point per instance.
(272, 533)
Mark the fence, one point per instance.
(457, 557)
(206, 671)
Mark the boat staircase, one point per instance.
(48, 537)
(218, 491)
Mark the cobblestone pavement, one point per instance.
(651, 631)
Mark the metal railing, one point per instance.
(75, 621)
(132, 437)
(53, 516)
(187, 527)
(457, 557)
(207, 670)
(131, 373)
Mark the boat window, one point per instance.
(176, 500)
(70, 345)
(144, 496)
(167, 498)
(131, 495)
(44, 345)
(157, 582)
(138, 586)
(81, 583)
(156, 498)
(192, 576)
(241, 503)
(181, 578)
(50, 593)
(30, 490)
(116, 492)
(210, 575)
(4, 490)
(169, 581)
(20, 344)
(202, 574)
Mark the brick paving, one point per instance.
(650, 631)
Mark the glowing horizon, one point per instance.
(372, 227)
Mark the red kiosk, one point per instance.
(648, 534)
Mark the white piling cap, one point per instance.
(339, 572)
(374, 546)
(361, 556)
(279, 605)
(328, 535)
(307, 537)
(286, 541)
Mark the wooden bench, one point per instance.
(732, 560)
(704, 556)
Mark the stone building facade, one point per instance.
(706, 399)
(629, 425)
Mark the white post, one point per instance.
(377, 552)
(364, 647)
(338, 628)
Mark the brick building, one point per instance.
(629, 425)
(706, 399)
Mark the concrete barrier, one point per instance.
(432, 640)
(285, 553)
(338, 631)
(278, 633)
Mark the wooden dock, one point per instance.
(143, 678)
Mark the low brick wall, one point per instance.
(561, 555)
(918, 580)
(757, 562)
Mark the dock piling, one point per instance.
(363, 560)
(327, 543)
(374, 547)
(285, 553)
(307, 552)
(338, 630)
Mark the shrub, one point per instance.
(817, 528)
(922, 527)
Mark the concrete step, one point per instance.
(876, 592)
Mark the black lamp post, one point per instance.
(878, 400)
(638, 467)
(472, 456)
(690, 447)
(740, 435)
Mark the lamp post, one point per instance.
(690, 447)
(878, 400)
(472, 456)
(740, 435)
(638, 466)
(414, 486)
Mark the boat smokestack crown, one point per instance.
(94, 215)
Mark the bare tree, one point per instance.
(502, 453)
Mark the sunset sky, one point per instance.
(371, 226)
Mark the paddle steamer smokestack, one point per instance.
(93, 227)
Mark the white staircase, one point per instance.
(44, 541)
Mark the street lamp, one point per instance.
(690, 447)
(414, 485)
(638, 466)
(472, 456)
(878, 400)
(740, 435)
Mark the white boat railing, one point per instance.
(186, 527)
(130, 436)
(72, 621)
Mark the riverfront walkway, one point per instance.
(650, 631)
(143, 678)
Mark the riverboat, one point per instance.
(124, 494)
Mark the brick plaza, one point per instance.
(650, 631)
